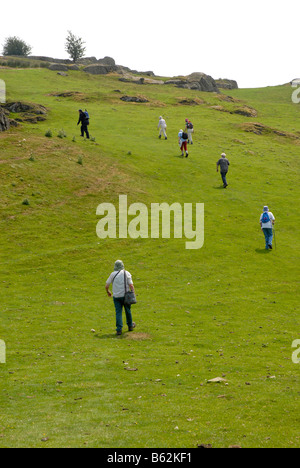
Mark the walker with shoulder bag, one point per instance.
(130, 297)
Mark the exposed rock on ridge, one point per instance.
(197, 81)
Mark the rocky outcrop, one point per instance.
(127, 78)
(108, 65)
(140, 99)
(42, 58)
(100, 69)
(4, 120)
(197, 81)
(107, 61)
(31, 113)
(246, 111)
(19, 107)
(261, 129)
(226, 84)
(202, 82)
(58, 67)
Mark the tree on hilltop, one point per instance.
(15, 46)
(74, 46)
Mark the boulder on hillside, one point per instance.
(202, 82)
(140, 99)
(4, 120)
(107, 61)
(100, 69)
(226, 84)
(197, 81)
(58, 67)
(73, 67)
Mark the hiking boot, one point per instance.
(270, 247)
(132, 327)
(187, 154)
(119, 332)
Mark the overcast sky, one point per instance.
(253, 42)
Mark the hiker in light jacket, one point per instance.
(267, 221)
(162, 126)
(118, 278)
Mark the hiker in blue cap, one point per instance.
(267, 221)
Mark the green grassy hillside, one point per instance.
(227, 310)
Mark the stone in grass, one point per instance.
(216, 380)
(26, 202)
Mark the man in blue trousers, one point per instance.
(267, 221)
(224, 164)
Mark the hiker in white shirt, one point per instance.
(162, 127)
(119, 278)
(267, 221)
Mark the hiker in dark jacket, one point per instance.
(84, 120)
(224, 164)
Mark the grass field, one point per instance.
(229, 309)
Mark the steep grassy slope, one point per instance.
(227, 310)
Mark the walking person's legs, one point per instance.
(129, 321)
(270, 238)
(119, 320)
(85, 129)
(268, 233)
(184, 144)
(223, 175)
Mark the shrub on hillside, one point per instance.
(62, 134)
(16, 46)
(74, 47)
